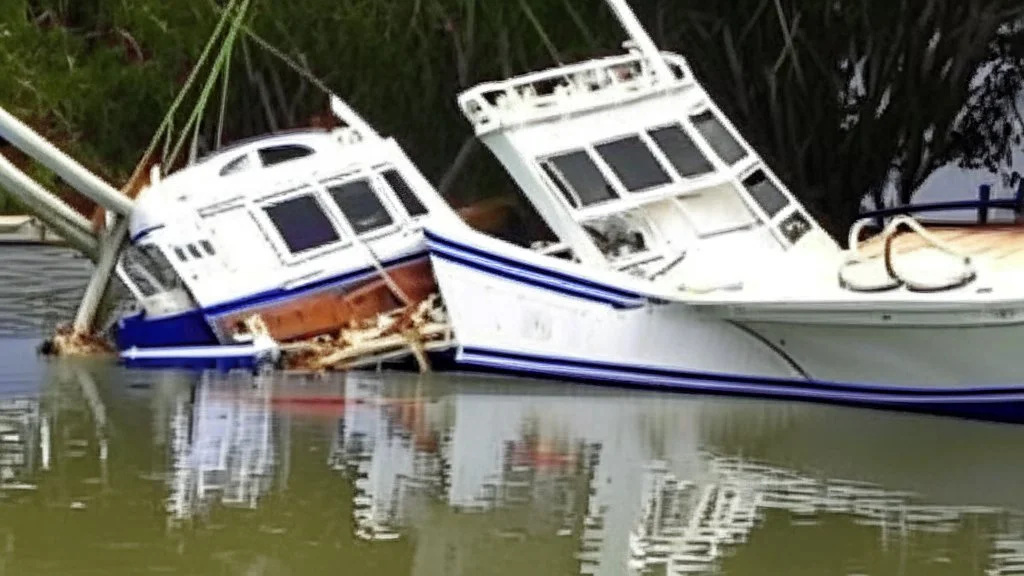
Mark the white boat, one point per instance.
(682, 260)
(311, 231)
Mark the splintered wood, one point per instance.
(410, 330)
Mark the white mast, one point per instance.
(639, 36)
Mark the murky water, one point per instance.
(110, 471)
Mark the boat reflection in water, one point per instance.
(394, 474)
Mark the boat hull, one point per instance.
(513, 313)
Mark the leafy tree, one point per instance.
(841, 97)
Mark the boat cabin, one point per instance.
(264, 219)
(633, 171)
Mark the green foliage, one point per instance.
(839, 96)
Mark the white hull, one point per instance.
(519, 312)
(927, 357)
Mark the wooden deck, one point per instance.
(999, 246)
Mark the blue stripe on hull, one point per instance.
(998, 404)
(536, 276)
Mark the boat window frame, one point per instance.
(639, 136)
(250, 167)
(380, 172)
(257, 210)
(309, 153)
(686, 129)
(619, 192)
(706, 108)
(381, 191)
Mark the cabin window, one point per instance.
(765, 193)
(149, 270)
(194, 251)
(180, 253)
(272, 155)
(133, 268)
(681, 151)
(578, 178)
(361, 206)
(794, 227)
(720, 139)
(207, 247)
(240, 164)
(405, 194)
(633, 163)
(302, 224)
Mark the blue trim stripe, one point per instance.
(145, 232)
(731, 383)
(533, 275)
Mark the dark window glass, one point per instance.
(560, 184)
(272, 155)
(239, 164)
(681, 151)
(727, 148)
(207, 247)
(158, 265)
(794, 227)
(302, 224)
(765, 193)
(633, 163)
(360, 205)
(405, 194)
(194, 251)
(579, 174)
(180, 253)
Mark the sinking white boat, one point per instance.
(681, 260)
(309, 231)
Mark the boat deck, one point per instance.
(998, 246)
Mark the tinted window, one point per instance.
(633, 163)
(580, 175)
(239, 164)
(360, 205)
(794, 227)
(727, 148)
(207, 246)
(405, 194)
(680, 150)
(301, 223)
(559, 183)
(272, 155)
(180, 253)
(765, 193)
(194, 251)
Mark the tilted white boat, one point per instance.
(682, 260)
(311, 231)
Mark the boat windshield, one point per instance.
(149, 270)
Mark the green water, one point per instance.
(105, 470)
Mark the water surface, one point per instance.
(105, 470)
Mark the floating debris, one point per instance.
(68, 342)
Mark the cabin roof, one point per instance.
(280, 137)
(563, 90)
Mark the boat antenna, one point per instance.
(640, 37)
